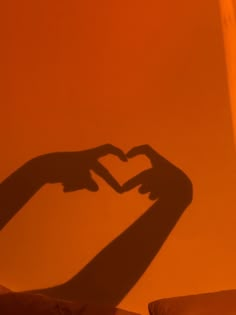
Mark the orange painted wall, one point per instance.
(228, 17)
(77, 74)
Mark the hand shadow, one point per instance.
(71, 169)
(111, 274)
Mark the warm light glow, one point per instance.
(77, 74)
(228, 13)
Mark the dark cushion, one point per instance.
(19, 303)
(4, 290)
(217, 303)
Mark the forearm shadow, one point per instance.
(111, 274)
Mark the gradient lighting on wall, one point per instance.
(228, 12)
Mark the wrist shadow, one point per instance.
(112, 273)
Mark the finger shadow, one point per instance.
(112, 273)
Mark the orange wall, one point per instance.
(228, 15)
(76, 74)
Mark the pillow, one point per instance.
(20, 303)
(217, 303)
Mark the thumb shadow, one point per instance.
(112, 273)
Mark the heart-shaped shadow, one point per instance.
(109, 276)
(112, 273)
(121, 171)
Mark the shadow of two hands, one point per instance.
(73, 170)
(111, 274)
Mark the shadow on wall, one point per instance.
(110, 275)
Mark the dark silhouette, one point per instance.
(71, 169)
(110, 275)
